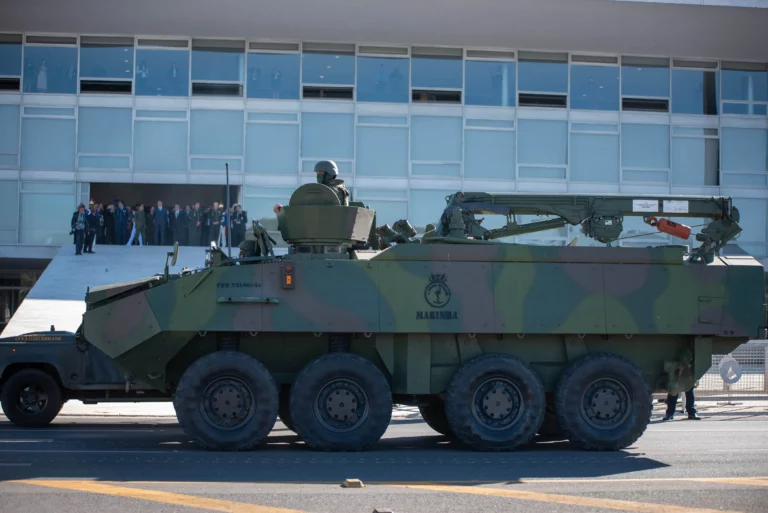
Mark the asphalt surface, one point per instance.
(105, 465)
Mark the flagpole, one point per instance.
(229, 218)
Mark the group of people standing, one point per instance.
(120, 224)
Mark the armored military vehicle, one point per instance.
(486, 337)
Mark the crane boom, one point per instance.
(600, 216)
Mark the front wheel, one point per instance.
(31, 398)
(341, 402)
(603, 402)
(495, 402)
(227, 401)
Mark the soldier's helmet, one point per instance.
(326, 170)
(247, 248)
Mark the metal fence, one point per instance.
(742, 373)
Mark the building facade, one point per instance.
(171, 98)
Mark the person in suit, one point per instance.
(179, 225)
(79, 226)
(161, 221)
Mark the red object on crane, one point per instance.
(670, 227)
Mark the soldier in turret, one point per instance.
(247, 249)
(327, 171)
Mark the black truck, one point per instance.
(40, 371)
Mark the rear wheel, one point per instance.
(604, 402)
(31, 398)
(434, 416)
(341, 402)
(227, 401)
(495, 402)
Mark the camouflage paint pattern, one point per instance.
(419, 310)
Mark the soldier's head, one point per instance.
(215, 205)
(247, 249)
(326, 171)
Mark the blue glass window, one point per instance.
(490, 83)
(45, 216)
(216, 132)
(595, 158)
(162, 72)
(48, 144)
(542, 142)
(641, 78)
(327, 135)
(426, 206)
(745, 149)
(9, 135)
(745, 85)
(437, 72)
(106, 61)
(328, 68)
(695, 161)
(10, 59)
(594, 87)
(382, 79)
(542, 76)
(272, 148)
(221, 64)
(436, 138)
(489, 154)
(745, 109)
(645, 146)
(9, 211)
(50, 69)
(694, 92)
(104, 130)
(382, 151)
(273, 75)
(160, 146)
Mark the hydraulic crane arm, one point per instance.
(600, 216)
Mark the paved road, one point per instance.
(106, 465)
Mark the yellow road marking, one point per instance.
(157, 496)
(572, 500)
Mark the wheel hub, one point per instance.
(341, 405)
(227, 403)
(606, 404)
(497, 403)
(32, 399)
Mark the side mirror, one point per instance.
(175, 253)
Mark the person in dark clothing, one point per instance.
(109, 225)
(179, 225)
(239, 222)
(79, 225)
(94, 224)
(121, 224)
(161, 222)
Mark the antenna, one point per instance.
(229, 216)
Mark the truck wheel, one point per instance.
(434, 416)
(284, 409)
(341, 402)
(495, 402)
(603, 402)
(31, 398)
(227, 401)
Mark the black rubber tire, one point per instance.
(284, 408)
(310, 382)
(222, 364)
(24, 378)
(459, 406)
(569, 402)
(434, 416)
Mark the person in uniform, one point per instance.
(247, 249)
(327, 173)
(690, 408)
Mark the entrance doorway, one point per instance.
(149, 194)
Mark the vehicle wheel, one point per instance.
(284, 409)
(31, 398)
(341, 402)
(604, 402)
(434, 415)
(495, 402)
(227, 401)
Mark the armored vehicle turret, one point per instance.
(489, 339)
